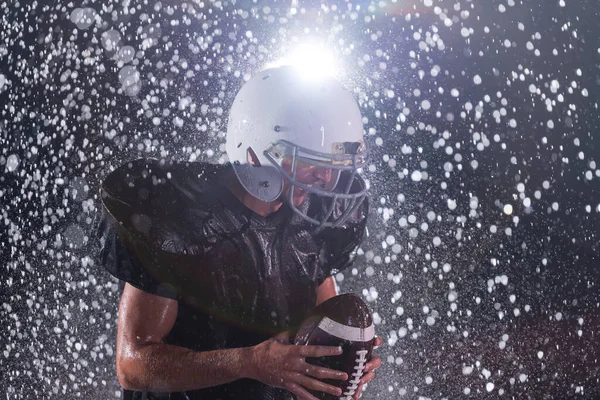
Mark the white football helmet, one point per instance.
(279, 114)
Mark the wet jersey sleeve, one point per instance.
(133, 222)
(130, 259)
(340, 244)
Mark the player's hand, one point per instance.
(278, 363)
(369, 371)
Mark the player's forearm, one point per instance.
(166, 368)
(326, 290)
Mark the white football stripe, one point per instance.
(347, 332)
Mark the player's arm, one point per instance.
(326, 290)
(144, 363)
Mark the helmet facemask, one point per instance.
(344, 195)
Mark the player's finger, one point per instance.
(378, 341)
(319, 351)
(299, 391)
(357, 393)
(323, 373)
(283, 337)
(367, 378)
(373, 364)
(317, 385)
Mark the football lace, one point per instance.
(361, 360)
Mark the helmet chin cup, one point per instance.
(262, 182)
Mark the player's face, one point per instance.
(308, 174)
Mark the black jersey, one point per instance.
(174, 230)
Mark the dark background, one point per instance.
(474, 304)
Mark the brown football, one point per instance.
(344, 321)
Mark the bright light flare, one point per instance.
(314, 61)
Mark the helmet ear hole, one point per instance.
(252, 158)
